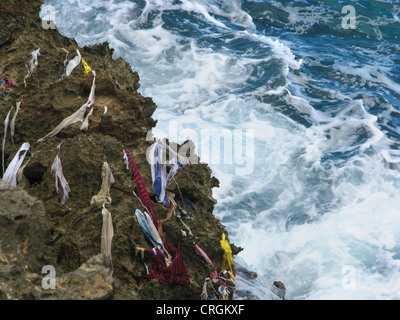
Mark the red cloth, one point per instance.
(175, 273)
(141, 188)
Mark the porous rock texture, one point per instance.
(36, 229)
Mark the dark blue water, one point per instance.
(307, 113)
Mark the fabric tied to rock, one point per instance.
(73, 63)
(204, 254)
(162, 170)
(107, 180)
(85, 123)
(107, 233)
(141, 188)
(219, 287)
(65, 60)
(32, 64)
(175, 273)
(56, 169)
(151, 233)
(12, 124)
(227, 262)
(10, 176)
(79, 115)
(86, 67)
(6, 121)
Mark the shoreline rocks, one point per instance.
(36, 228)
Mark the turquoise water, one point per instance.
(308, 114)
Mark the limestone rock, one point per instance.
(91, 281)
(23, 226)
(36, 229)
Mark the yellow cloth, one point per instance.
(227, 263)
(86, 66)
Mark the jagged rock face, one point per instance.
(23, 226)
(91, 281)
(71, 233)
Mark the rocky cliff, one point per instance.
(36, 228)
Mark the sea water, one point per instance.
(295, 106)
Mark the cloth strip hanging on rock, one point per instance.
(6, 121)
(162, 170)
(107, 233)
(227, 262)
(175, 273)
(65, 63)
(146, 229)
(73, 63)
(56, 168)
(187, 201)
(85, 123)
(151, 233)
(86, 67)
(10, 176)
(155, 156)
(141, 187)
(204, 254)
(12, 124)
(32, 64)
(219, 287)
(107, 180)
(76, 116)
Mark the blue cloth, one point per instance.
(145, 228)
(186, 200)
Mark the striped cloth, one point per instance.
(175, 273)
(141, 188)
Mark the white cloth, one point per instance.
(35, 54)
(6, 121)
(107, 233)
(85, 123)
(56, 168)
(73, 63)
(157, 237)
(153, 229)
(78, 115)
(75, 117)
(168, 167)
(12, 124)
(32, 64)
(10, 176)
